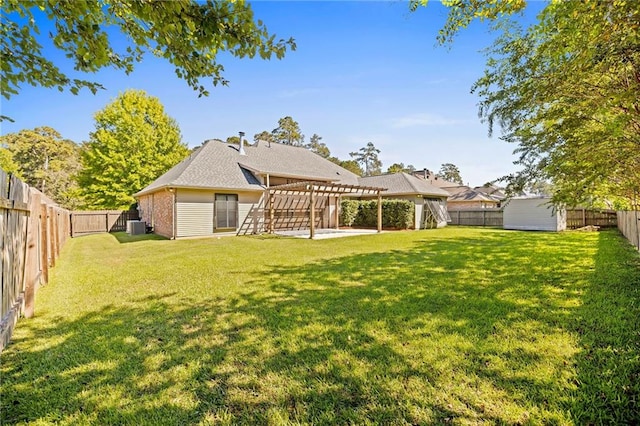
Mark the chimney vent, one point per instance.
(241, 149)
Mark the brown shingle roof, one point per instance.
(402, 184)
(219, 165)
(472, 195)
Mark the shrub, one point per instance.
(398, 214)
(395, 213)
(348, 211)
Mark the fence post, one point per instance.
(31, 258)
(51, 237)
(44, 244)
(458, 217)
(56, 219)
(484, 218)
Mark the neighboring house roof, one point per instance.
(494, 191)
(402, 184)
(472, 195)
(452, 190)
(220, 165)
(434, 179)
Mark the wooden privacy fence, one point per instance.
(629, 225)
(576, 218)
(32, 231)
(94, 222)
(480, 217)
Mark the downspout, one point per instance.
(268, 200)
(175, 211)
(379, 211)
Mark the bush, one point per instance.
(397, 214)
(348, 211)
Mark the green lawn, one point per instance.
(450, 326)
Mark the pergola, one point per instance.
(313, 189)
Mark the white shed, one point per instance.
(534, 214)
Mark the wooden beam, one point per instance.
(326, 187)
(7, 204)
(379, 211)
(337, 213)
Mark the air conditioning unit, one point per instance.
(136, 227)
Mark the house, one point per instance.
(493, 191)
(463, 197)
(238, 189)
(429, 200)
(534, 214)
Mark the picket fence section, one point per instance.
(33, 229)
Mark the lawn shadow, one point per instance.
(444, 331)
(124, 238)
(111, 365)
(466, 294)
(608, 326)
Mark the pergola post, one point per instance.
(271, 212)
(379, 211)
(312, 215)
(324, 189)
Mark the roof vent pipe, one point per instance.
(241, 150)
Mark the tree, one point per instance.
(134, 143)
(540, 187)
(44, 160)
(401, 168)
(351, 165)
(7, 163)
(565, 91)
(368, 159)
(263, 136)
(318, 147)
(450, 172)
(187, 33)
(462, 12)
(288, 132)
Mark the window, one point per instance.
(226, 211)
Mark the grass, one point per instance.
(450, 326)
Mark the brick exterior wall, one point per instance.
(145, 208)
(157, 210)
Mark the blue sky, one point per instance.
(362, 72)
